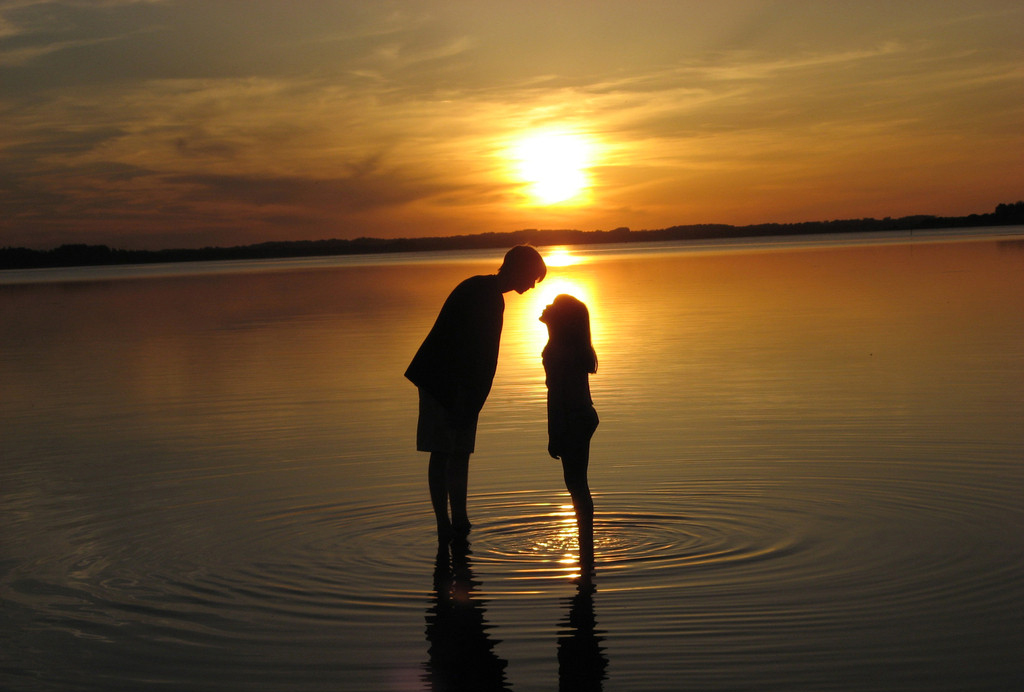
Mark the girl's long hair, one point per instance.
(568, 323)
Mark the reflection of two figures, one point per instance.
(461, 650)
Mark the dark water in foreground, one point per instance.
(808, 477)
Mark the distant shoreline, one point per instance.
(99, 255)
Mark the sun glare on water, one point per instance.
(559, 256)
(554, 166)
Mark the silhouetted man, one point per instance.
(454, 369)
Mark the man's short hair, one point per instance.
(524, 260)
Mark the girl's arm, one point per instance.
(568, 398)
(556, 414)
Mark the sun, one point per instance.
(554, 165)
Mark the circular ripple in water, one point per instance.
(642, 540)
(800, 556)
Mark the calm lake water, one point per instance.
(809, 476)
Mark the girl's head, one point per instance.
(568, 322)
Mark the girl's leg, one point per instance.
(574, 470)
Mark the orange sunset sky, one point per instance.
(155, 124)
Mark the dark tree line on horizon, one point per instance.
(85, 255)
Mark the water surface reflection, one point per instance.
(582, 664)
(461, 650)
(808, 470)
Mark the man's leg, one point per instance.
(458, 489)
(437, 477)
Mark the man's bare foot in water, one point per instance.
(461, 528)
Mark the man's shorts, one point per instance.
(436, 433)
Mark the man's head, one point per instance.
(522, 269)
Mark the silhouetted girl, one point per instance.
(569, 359)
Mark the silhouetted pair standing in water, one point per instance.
(454, 369)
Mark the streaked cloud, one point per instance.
(262, 120)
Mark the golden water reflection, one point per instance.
(564, 540)
(561, 256)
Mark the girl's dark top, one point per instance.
(572, 418)
(457, 360)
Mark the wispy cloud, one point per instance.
(392, 117)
